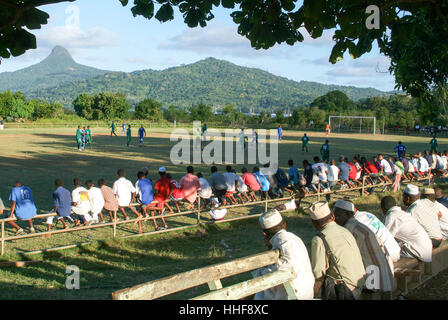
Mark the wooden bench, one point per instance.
(411, 273)
(212, 276)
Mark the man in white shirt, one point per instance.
(425, 212)
(374, 224)
(81, 203)
(410, 235)
(429, 194)
(423, 165)
(241, 187)
(96, 201)
(293, 253)
(230, 183)
(206, 191)
(125, 193)
(385, 166)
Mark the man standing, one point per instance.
(141, 134)
(400, 150)
(128, 136)
(79, 137)
(350, 267)
(433, 144)
(22, 205)
(124, 127)
(325, 151)
(280, 132)
(204, 132)
(305, 140)
(424, 211)
(89, 137)
(84, 137)
(327, 129)
(293, 255)
(112, 131)
(413, 240)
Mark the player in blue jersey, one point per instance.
(141, 134)
(400, 149)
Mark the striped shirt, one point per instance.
(372, 253)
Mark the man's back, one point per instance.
(123, 190)
(347, 254)
(411, 236)
(425, 212)
(217, 181)
(372, 253)
(23, 197)
(62, 199)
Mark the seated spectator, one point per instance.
(22, 206)
(96, 201)
(177, 193)
(205, 192)
(440, 164)
(440, 197)
(81, 203)
(424, 211)
(344, 171)
(423, 165)
(410, 235)
(293, 174)
(293, 254)
(333, 175)
(251, 182)
(344, 249)
(376, 226)
(308, 174)
(162, 190)
(320, 169)
(353, 174)
(218, 183)
(371, 248)
(110, 201)
(371, 171)
(190, 184)
(241, 188)
(429, 193)
(386, 169)
(230, 184)
(216, 213)
(125, 193)
(62, 201)
(262, 181)
(428, 156)
(274, 190)
(359, 171)
(143, 188)
(283, 181)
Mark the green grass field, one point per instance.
(38, 156)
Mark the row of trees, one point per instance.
(397, 110)
(16, 106)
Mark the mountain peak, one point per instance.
(60, 52)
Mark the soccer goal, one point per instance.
(354, 124)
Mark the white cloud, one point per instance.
(72, 37)
(219, 39)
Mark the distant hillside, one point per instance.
(210, 81)
(57, 69)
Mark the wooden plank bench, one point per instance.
(212, 276)
(411, 273)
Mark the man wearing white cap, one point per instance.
(430, 194)
(293, 254)
(371, 248)
(410, 235)
(344, 248)
(375, 225)
(424, 211)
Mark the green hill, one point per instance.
(57, 69)
(211, 81)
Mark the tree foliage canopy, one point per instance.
(102, 106)
(149, 109)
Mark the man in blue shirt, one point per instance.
(263, 181)
(22, 205)
(145, 193)
(280, 132)
(141, 134)
(400, 149)
(62, 201)
(293, 173)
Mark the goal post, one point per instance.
(352, 124)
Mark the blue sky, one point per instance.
(107, 36)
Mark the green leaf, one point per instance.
(230, 4)
(124, 3)
(165, 13)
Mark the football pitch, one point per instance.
(38, 156)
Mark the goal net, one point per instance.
(352, 124)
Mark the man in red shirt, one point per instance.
(353, 173)
(251, 182)
(177, 193)
(163, 190)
